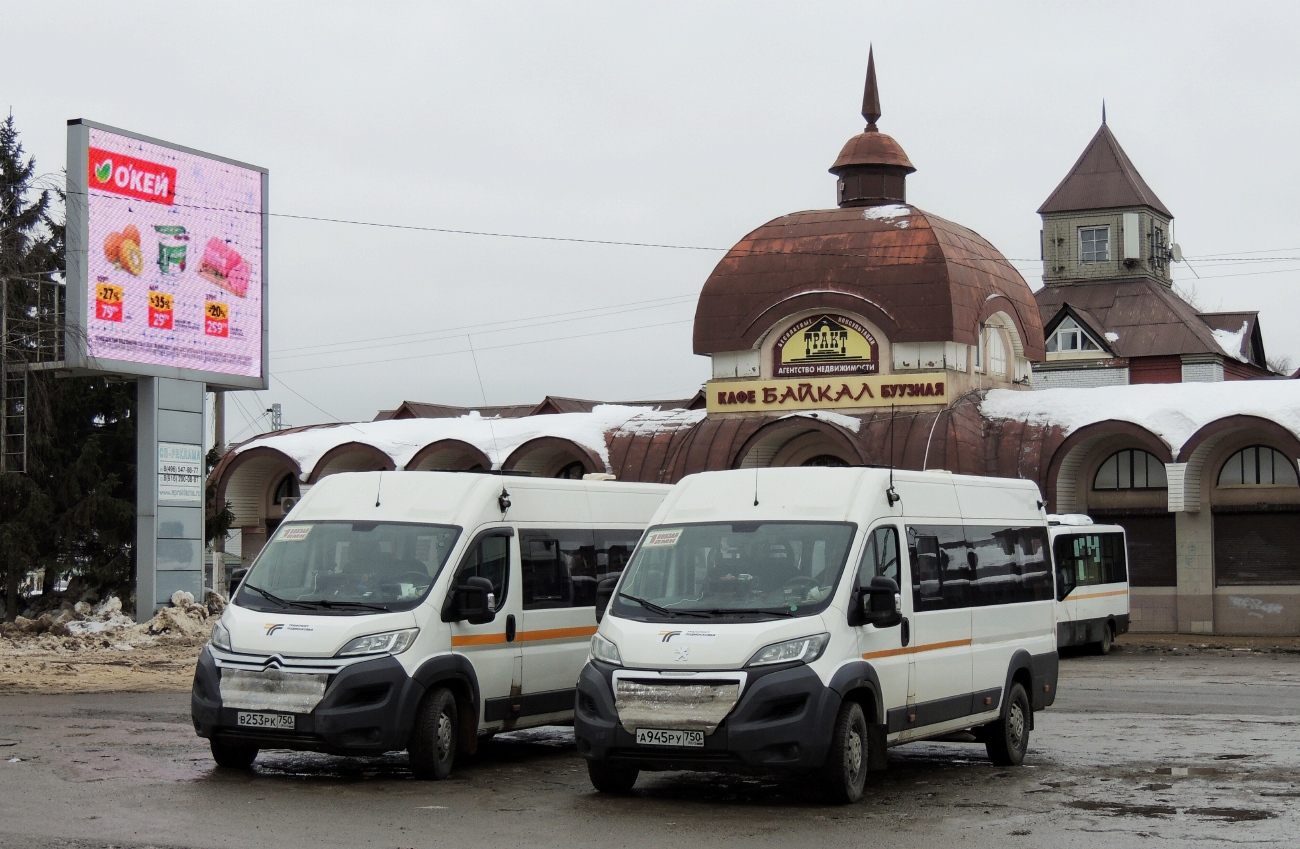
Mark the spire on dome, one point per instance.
(1103, 110)
(871, 95)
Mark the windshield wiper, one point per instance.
(327, 604)
(273, 597)
(719, 611)
(654, 608)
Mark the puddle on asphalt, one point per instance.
(1119, 809)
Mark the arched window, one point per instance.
(825, 460)
(1258, 465)
(1131, 468)
(572, 471)
(286, 488)
(996, 353)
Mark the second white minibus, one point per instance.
(805, 619)
(1092, 589)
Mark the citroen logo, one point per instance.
(683, 653)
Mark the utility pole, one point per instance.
(277, 421)
(219, 443)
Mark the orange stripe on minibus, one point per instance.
(556, 634)
(524, 636)
(478, 639)
(951, 644)
(1097, 595)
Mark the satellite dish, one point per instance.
(1177, 253)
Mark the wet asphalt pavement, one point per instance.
(1140, 750)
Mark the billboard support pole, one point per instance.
(169, 492)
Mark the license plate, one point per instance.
(282, 721)
(669, 737)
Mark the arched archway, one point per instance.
(449, 454)
(247, 484)
(794, 441)
(351, 457)
(548, 456)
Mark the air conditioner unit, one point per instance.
(287, 503)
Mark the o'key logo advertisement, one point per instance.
(132, 177)
(174, 259)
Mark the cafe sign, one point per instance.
(825, 345)
(827, 393)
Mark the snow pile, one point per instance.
(1112, 336)
(1232, 341)
(80, 626)
(889, 212)
(660, 421)
(1172, 411)
(401, 439)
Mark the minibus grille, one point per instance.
(272, 689)
(694, 705)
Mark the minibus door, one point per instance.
(1067, 605)
(492, 648)
(885, 648)
(940, 674)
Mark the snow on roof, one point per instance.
(888, 212)
(1231, 341)
(846, 422)
(1172, 411)
(401, 439)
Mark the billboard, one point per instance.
(166, 260)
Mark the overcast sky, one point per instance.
(683, 124)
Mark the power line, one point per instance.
(489, 348)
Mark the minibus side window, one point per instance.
(489, 558)
(1114, 563)
(880, 559)
(558, 568)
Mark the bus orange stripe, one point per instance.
(556, 633)
(951, 644)
(478, 639)
(1097, 595)
(524, 636)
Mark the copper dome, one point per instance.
(918, 277)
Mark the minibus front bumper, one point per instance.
(368, 708)
(782, 720)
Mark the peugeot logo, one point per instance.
(683, 653)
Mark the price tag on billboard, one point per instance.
(216, 319)
(160, 310)
(108, 302)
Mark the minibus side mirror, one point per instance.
(882, 603)
(604, 592)
(470, 602)
(237, 577)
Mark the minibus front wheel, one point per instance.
(432, 749)
(232, 756)
(844, 775)
(616, 779)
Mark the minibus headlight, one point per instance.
(603, 649)
(805, 649)
(220, 637)
(389, 642)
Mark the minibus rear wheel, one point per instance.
(616, 779)
(231, 756)
(844, 774)
(1007, 739)
(432, 749)
(1102, 646)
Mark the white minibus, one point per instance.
(1092, 590)
(806, 619)
(417, 611)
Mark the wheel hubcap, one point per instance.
(444, 735)
(1016, 726)
(853, 754)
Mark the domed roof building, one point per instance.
(927, 297)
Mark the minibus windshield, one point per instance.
(346, 567)
(734, 569)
